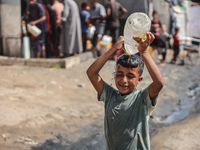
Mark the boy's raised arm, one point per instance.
(93, 70)
(152, 68)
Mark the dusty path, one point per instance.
(45, 109)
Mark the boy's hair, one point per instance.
(154, 12)
(177, 29)
(84, 4)
(131, 61)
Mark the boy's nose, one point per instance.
(124, 79)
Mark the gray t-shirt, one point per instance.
(126, 119)
(98, 11)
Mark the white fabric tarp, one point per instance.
(193, 26)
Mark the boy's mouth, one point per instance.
(123, 86)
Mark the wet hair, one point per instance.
(84, 4)
(131, 61)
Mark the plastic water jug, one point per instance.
(137, 24)
(106, 40)
(91, 31)
(26, 47)
(34, 30)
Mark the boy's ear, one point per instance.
(139, 79)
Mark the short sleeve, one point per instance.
(150, 103)
(87, 15)
(102, 11)
(108, 5)
(42, 11)
(106, 93)
(120, 7)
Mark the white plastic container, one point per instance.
(106, 40)
(137, 24)
(26, 47)
(91, 31)
(34, 30)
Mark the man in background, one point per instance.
(114, 12)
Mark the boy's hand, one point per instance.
(143, 44)
(32, 23)
(119, 44)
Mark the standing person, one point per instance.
(114, 12)
(176, 46)
(57, 8)
(85, 21)
(37, 17)
(155, 29)
(127, 110)
(71, 32)
(49, 29)
(163, 45)
(98, 16)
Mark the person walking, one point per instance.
(176, 46)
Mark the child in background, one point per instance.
(176, 46)
(163, 44)
(85, 20)
(155, 29)
(127, 110)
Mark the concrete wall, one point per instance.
(10, 27)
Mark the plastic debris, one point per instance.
(27, 140)
(81, 85)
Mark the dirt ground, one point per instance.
(57, 109)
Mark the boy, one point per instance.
(155, 29)
(37, 17)
(127, 110)
(85, 20)
(176, 46)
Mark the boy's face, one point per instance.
(32, 2)
(126, 79)
(155, 16)
(87, 8)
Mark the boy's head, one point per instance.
(176, 30)
(32, 2)
(93, 2)
(155, 14)
(85, 6)
(129, 69)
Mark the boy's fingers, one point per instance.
(152, 37)
(137, 39)
(148, 37)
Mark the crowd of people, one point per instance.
(64, 29)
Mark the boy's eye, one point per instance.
(119, 75)
(130, 77)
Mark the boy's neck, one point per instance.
(134, 90)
